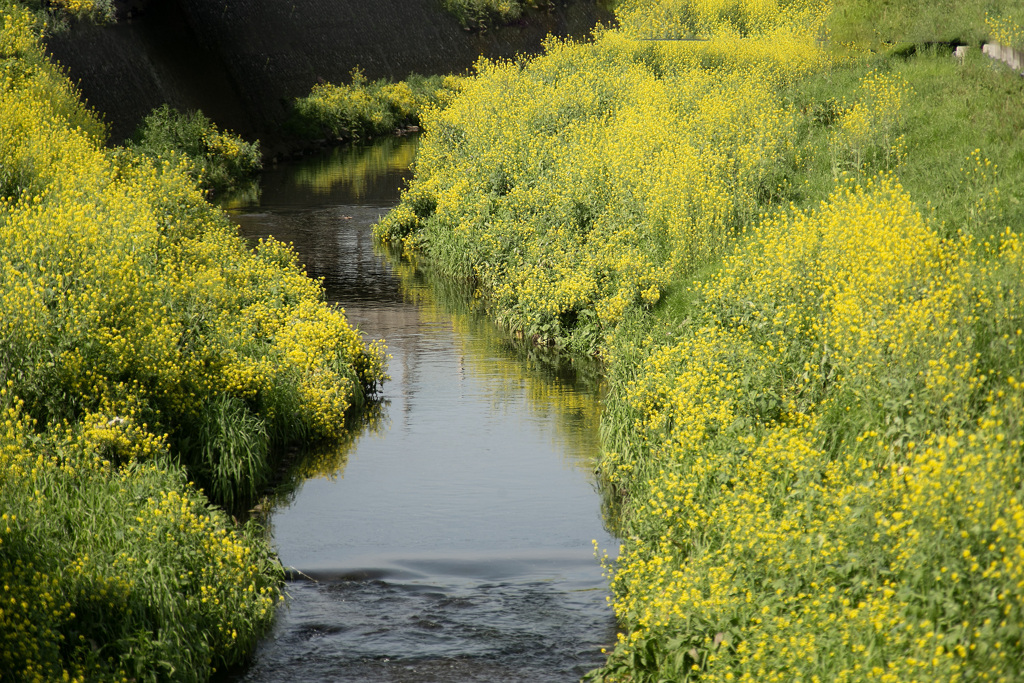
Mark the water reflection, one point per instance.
(355, 170)
(324, 460)
(457, 544)
(559, 388)
(341, 176)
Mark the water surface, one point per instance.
(452, 539)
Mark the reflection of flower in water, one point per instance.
(570, 388)
(354, 167)
(556, 384)
(325, 460)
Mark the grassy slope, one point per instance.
(962, 165)
(867, 24)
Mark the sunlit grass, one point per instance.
(882, 26)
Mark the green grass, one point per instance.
(881, 25)
(955, 109)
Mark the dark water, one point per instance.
(451, 539)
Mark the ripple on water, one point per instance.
(519, 629)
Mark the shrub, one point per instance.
(98, 11)
(53, 14)
(218, 160)
(364, 109)
(480, 13)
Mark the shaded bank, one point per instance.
(243, 62)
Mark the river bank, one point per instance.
(797, 257)
(799, 262)
(155, 371)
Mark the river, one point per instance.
(451, 538)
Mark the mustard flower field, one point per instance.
(799, 260)
(580, 184)
(150, 364)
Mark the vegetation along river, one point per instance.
(451, 539)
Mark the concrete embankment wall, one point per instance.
(1012, 57)
(243, 61)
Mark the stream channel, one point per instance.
(451, 537)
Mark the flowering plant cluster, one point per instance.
(364, 109)
(1004, 30)
(577, 186)
(98, 11)
(822, 466)
(143, 347)
(812, 433)
(216, 158)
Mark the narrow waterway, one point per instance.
(451, 539)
